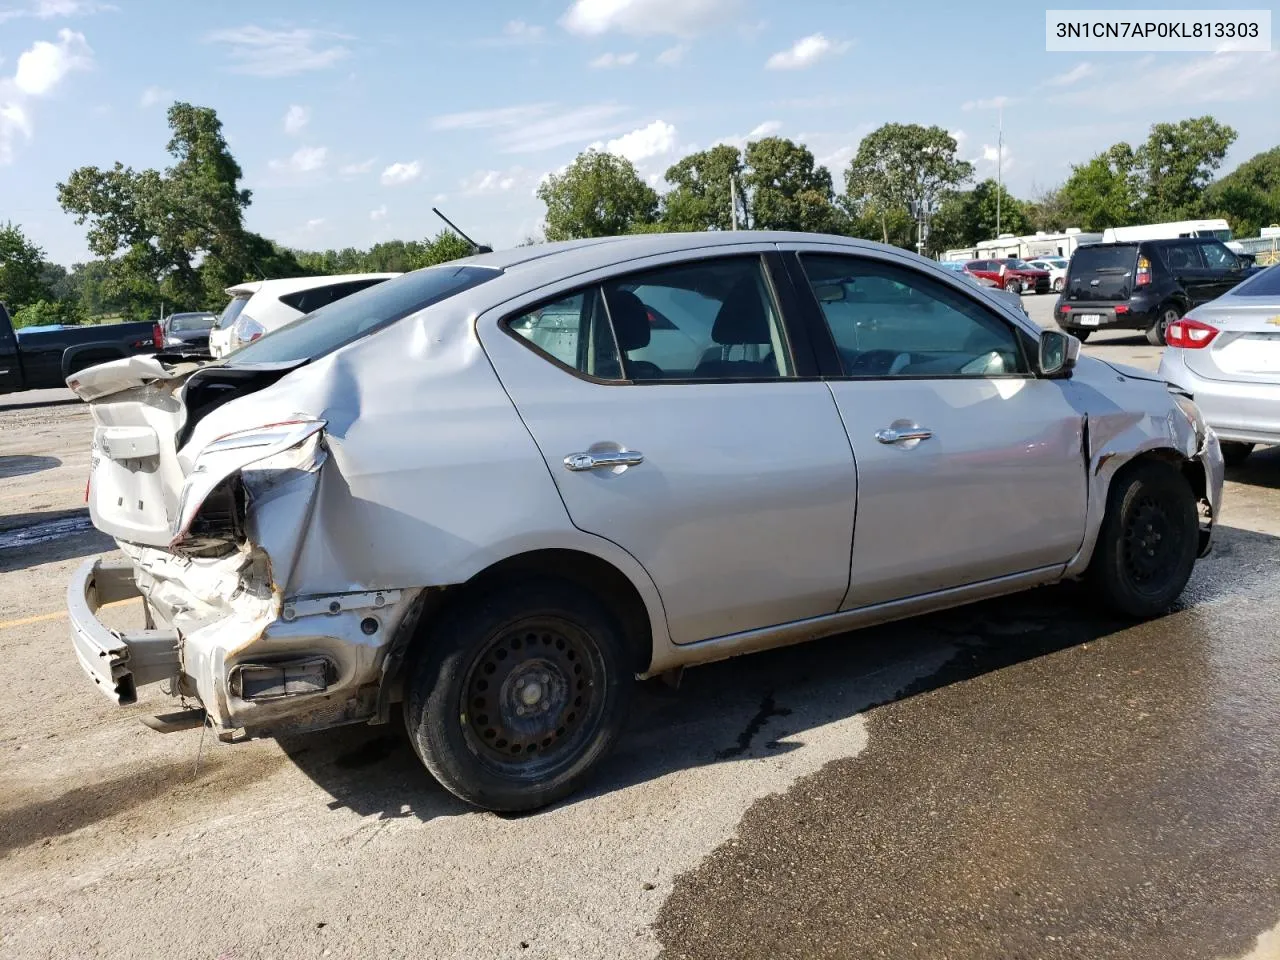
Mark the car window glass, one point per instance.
(1218, 257)
(1183, 256)
(706, 320)
(231, 313)
(307, 301)
(1264, 284)
(313, 335)
(890, 321)
(574, 331)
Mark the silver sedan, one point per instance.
(488, 493)
(1226, 353)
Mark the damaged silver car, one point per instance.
(491, 493)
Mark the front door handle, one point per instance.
(578, 462)
(899, 434)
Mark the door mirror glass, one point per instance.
(1058, 353)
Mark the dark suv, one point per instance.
(1144, 285)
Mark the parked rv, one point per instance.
(1216, 229)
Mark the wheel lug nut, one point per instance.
(520, 683)
(519, 711)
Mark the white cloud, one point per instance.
(492, 181)
(992, 103)
(766, 129)
(1076, 73)
(607, 60)
(379, 214)
(673, 55)
(42, 68)
(655, 140)
(14, 123)
(529, 128)
(681, 18)
(315, 224)
(517, 31)
(990, 155)
(1226, 77)
(260, 52)
(401, 173)
(153, 96)
(353, 169)
(56, 9)
(302, 160)
(805, 52)
(296, 118)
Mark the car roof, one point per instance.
(284, 285)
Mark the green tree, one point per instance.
(787, 189)
(1047, 211)
(175, 236)
(22, 269)
(1103, 192)
(700, 197)
(903, 167)
(598, 195)
(966, 218)
(1249, 196)
(47, 312)
(1176, 164)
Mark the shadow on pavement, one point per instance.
(30, 539)
(21, 466)
(1262, 469)
(745, 708)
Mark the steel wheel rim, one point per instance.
(533, 697)
(1151, 545)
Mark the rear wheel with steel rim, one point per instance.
(1148, 541)
(1058, 285)
(518, 692)
(1156, 332)
(1013, 286)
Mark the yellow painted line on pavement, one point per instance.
(55, 615)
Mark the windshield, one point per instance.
(1015, 264)
(186, 322)
(231, 313)
(1223, 235)
(333, 326)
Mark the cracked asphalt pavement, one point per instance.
(1020, 778)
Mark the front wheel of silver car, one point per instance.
(1148, 541)
(520, 689)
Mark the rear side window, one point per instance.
(1264, 284)
(308, 301)
(361, 314)
(1183, 256)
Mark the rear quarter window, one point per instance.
(308, 301)
(1264, 284)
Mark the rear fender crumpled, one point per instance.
(1138, 417)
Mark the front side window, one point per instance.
(1218, 257)
(891, 321)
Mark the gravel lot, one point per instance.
(1020, 778)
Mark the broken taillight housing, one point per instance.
(1189, 334)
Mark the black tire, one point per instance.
(1014, 286)
(469, 685)
(1235, 453)
(1167, 315)
(1148, 541)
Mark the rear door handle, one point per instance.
(899, 434)
(578, 462)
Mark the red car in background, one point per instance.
(1011, 274)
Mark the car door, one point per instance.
(970, 468)
(10, 365)
(675, 416)
(1187, 265)
(1223, 270)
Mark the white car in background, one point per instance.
(260, 306)
(1057, 267)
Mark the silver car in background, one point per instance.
(488, 493)
(1226, 353)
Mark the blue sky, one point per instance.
(352, 120)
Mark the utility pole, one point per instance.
(999, 166)
(733, 202)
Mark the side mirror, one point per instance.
(1058, 353)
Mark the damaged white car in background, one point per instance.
(491, 493)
